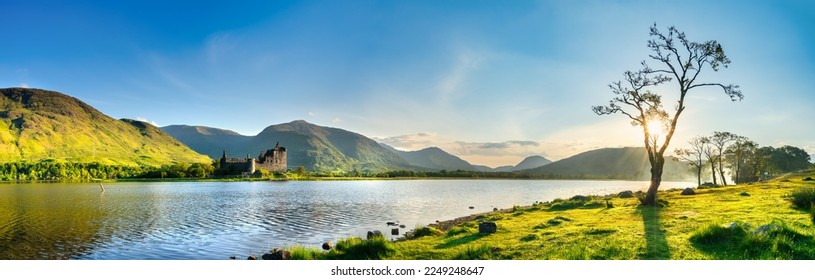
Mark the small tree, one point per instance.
(737, 155)
(694, 156)
(679, 60)
(719, 141)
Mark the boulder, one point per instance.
(625, 194)
(251, 258)
(391, 224)
(394, 231)
(763, 230)
(487, 227)
(472, 207)
(277, 254)
(808, 179)
(688, 191)
(373, 234)
(327, 246)
(744, 194)
(402, 226)
(495, 209)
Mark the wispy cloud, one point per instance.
(480, 153)
(147, 121)
(466, 62)
(24, 85)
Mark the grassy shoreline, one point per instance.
(748, 221)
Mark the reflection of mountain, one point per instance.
(611, 163)
(47, 222)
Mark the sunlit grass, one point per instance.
(689, 227)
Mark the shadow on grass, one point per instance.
(656, 246)
(461, 241)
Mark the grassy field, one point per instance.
(750, 221)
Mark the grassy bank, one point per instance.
(768, 220)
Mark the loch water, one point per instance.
(216, 220)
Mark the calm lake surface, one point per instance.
(216, 220)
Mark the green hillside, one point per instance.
(434, 158)
(39, 124)
(628, 163)
(314, 147)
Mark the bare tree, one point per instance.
(719, 141)
(694, 156)
(712, 157)
(679, 60)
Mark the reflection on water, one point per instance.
(215, 220)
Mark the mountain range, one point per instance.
(629, 163)
(39, 124)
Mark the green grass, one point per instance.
(716, 223)
(684, 227)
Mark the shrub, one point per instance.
(356, 248)
(804, 198)
(424, 231)
(304, 253)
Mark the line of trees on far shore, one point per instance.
(743, 159)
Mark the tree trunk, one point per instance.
(699, 175)
(656, 179)
(721, 172)
(713, 172)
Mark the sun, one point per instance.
(655, 127)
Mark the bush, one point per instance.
(424, 231)
(776, 240)
(356, 248)
(304, 253)
(804, 198)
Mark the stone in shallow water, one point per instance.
(327, 246)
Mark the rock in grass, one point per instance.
(808, 179)
(374, 234)
(277, 254)
(744, 194)
(327, 246)
(763, 230)
(625, 194)
(688, 191)
(487, 227)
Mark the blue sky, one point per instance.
(490, 81)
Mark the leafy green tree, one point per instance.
(737, 156)
(679, 60)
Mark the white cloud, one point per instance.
(147, 121)
(479, 153)
(466, 62)
(336, 121)
(312, 114)
(24, 85)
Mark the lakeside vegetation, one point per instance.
(765, 220)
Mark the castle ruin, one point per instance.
(273, 160)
